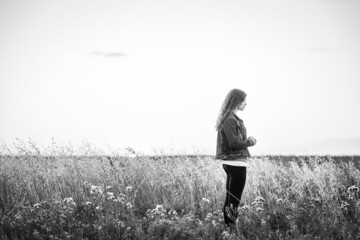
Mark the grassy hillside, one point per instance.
(176, 197)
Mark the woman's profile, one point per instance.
(232, 149)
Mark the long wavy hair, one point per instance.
(232, 100)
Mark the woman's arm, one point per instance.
(234, 140)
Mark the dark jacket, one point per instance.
(232, 142)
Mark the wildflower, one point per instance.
(68, 200)
(225, 234)
(205, 201)
(98, 208)
(121, 224)
(129, 205)
(259, 209)
(280, 201)
(159, 208)
(172, 213)
(37, 205)
(120, 199)
(317, 201)
(353, 189)
(260, 199)
(87, 203)
(110, 195)
(128, 228)
(108, 187)
(213, 223)
(209, 215)
(129, 188)
(344, 205)
(96, 190)
(245, 207)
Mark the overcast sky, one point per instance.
(152, 74)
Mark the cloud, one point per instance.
(107, 54)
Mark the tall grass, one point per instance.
(172, 197)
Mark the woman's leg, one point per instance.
(235, 183)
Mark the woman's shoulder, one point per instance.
(233, 118)
(232, 122)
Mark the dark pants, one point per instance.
(235, 183)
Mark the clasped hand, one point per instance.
(252, 140)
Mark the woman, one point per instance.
(232, 149)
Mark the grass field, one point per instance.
(65, 196)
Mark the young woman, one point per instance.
(232, 149)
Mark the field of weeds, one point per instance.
(68, 196)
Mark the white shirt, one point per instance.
(242, 162)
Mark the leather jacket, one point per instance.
(232, 142)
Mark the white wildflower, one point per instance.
(205, 201)
(225, 234)
(129, 205)
(213, 223)
(317, 200)
(110, 195)
(96, 190)
(37, 205)
(120, 200)
(259, 209)
(245, 207)
(68, 200)
(121, 224)
(129, 188)
(174, 213)
(159, 208)
(353, 189)
(208, 216)
(260, 199)
(344, 205)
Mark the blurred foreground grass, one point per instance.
(66, 196)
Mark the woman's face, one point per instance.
(241, 106)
